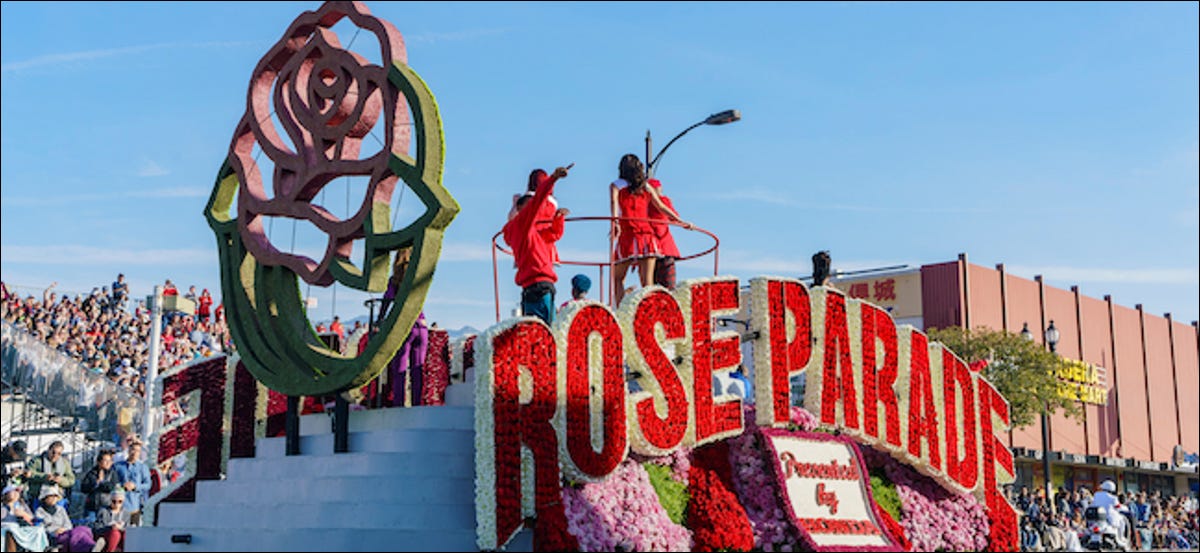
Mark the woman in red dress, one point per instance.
(664, 268)
(637, 239)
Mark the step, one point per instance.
(392, 441)
(366, 489)
(394, 418)
(462, 394)
(408, 464)
(275, 539)
(334, 514)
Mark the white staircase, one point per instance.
(407, 484)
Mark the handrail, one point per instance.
(600, 265)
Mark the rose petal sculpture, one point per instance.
(327, 98)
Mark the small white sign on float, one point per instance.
(827, 491)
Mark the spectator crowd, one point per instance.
(36, 511)
(110, 334)
(1158, 522)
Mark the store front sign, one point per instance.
(1079, 381)
(898, 294)
(822, 477)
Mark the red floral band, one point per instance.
(436, 370)
(662, 433)
(584, 324)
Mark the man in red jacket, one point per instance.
(533, 246)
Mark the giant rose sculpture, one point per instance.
(327, 99)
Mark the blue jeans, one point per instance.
(537, 300)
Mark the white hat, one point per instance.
(49, 490)
(11, 488)
(1108, 486)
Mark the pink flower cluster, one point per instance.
(934, 518)
(806, 421)
(679, 460)
(757, 490)
(622, 511)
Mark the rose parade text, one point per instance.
(554, 400)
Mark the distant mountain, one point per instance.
(453, 333)
(359, 319)
(463, 332)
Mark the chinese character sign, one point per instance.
(898, 294)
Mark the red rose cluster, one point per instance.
(208, 378)
(716, 518)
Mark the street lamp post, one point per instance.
(722, 118)
(1051, 336)
(719, 118)
(1052, 341)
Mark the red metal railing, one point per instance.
(606, 285)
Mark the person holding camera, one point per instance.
(50, 468)
(13, 460)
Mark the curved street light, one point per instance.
(720, 118)
(1051, 337)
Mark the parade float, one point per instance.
(601, 432)
(560, 438)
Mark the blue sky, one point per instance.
(1057, 138)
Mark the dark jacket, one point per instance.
(95, 486)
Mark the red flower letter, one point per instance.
(713, 420)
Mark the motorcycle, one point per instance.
(1100, 535)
